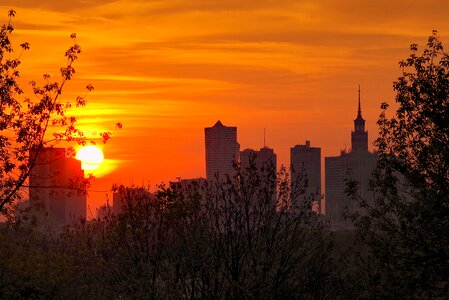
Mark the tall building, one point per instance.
(306, 173)
(265, 157)
(57, 190)
(357, 164)
(265, 162)
(222, 150)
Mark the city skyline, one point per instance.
(286, 159)
(224, 149)
(222, 152)
(224, 140)
(290, 67)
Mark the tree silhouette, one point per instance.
(211, 240)
(406, 228)
(29, 124)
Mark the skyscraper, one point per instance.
(222, 149)
(57, 191)
(265, 157)
(265, 162)
(358, 165)
(306, 170)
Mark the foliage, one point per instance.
(31, 267)
(214, 240)
(406, 227)
(221, 240)
(28, 124)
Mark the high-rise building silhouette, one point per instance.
(264, 163)
(264, 158)
(306, 174)
(358, 165)
(222, 150)
(57, 190)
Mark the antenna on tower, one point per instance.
(359, 112)
(264, 144)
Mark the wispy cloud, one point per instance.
(166, 69)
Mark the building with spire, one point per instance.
(222, 150)
(359, 137)
(357, 164)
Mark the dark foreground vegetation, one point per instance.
(240, 238)
(220, 241)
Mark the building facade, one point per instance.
(222, 150)
(305, 162)
(264, 162)
(57, 190)
(357, 164)
(264, 158)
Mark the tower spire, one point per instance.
(359, 112)
(359, 137)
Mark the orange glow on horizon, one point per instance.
(168, 69)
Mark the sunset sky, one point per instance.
(166, 69)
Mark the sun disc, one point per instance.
(90, 156)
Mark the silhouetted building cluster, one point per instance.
(222, 152)
(58, 196)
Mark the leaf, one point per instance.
(25, 46)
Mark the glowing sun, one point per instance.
(90, 156)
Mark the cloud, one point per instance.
(161, 65)
(62, 6)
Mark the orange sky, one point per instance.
(166, 69)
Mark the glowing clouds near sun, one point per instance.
(91, 157)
